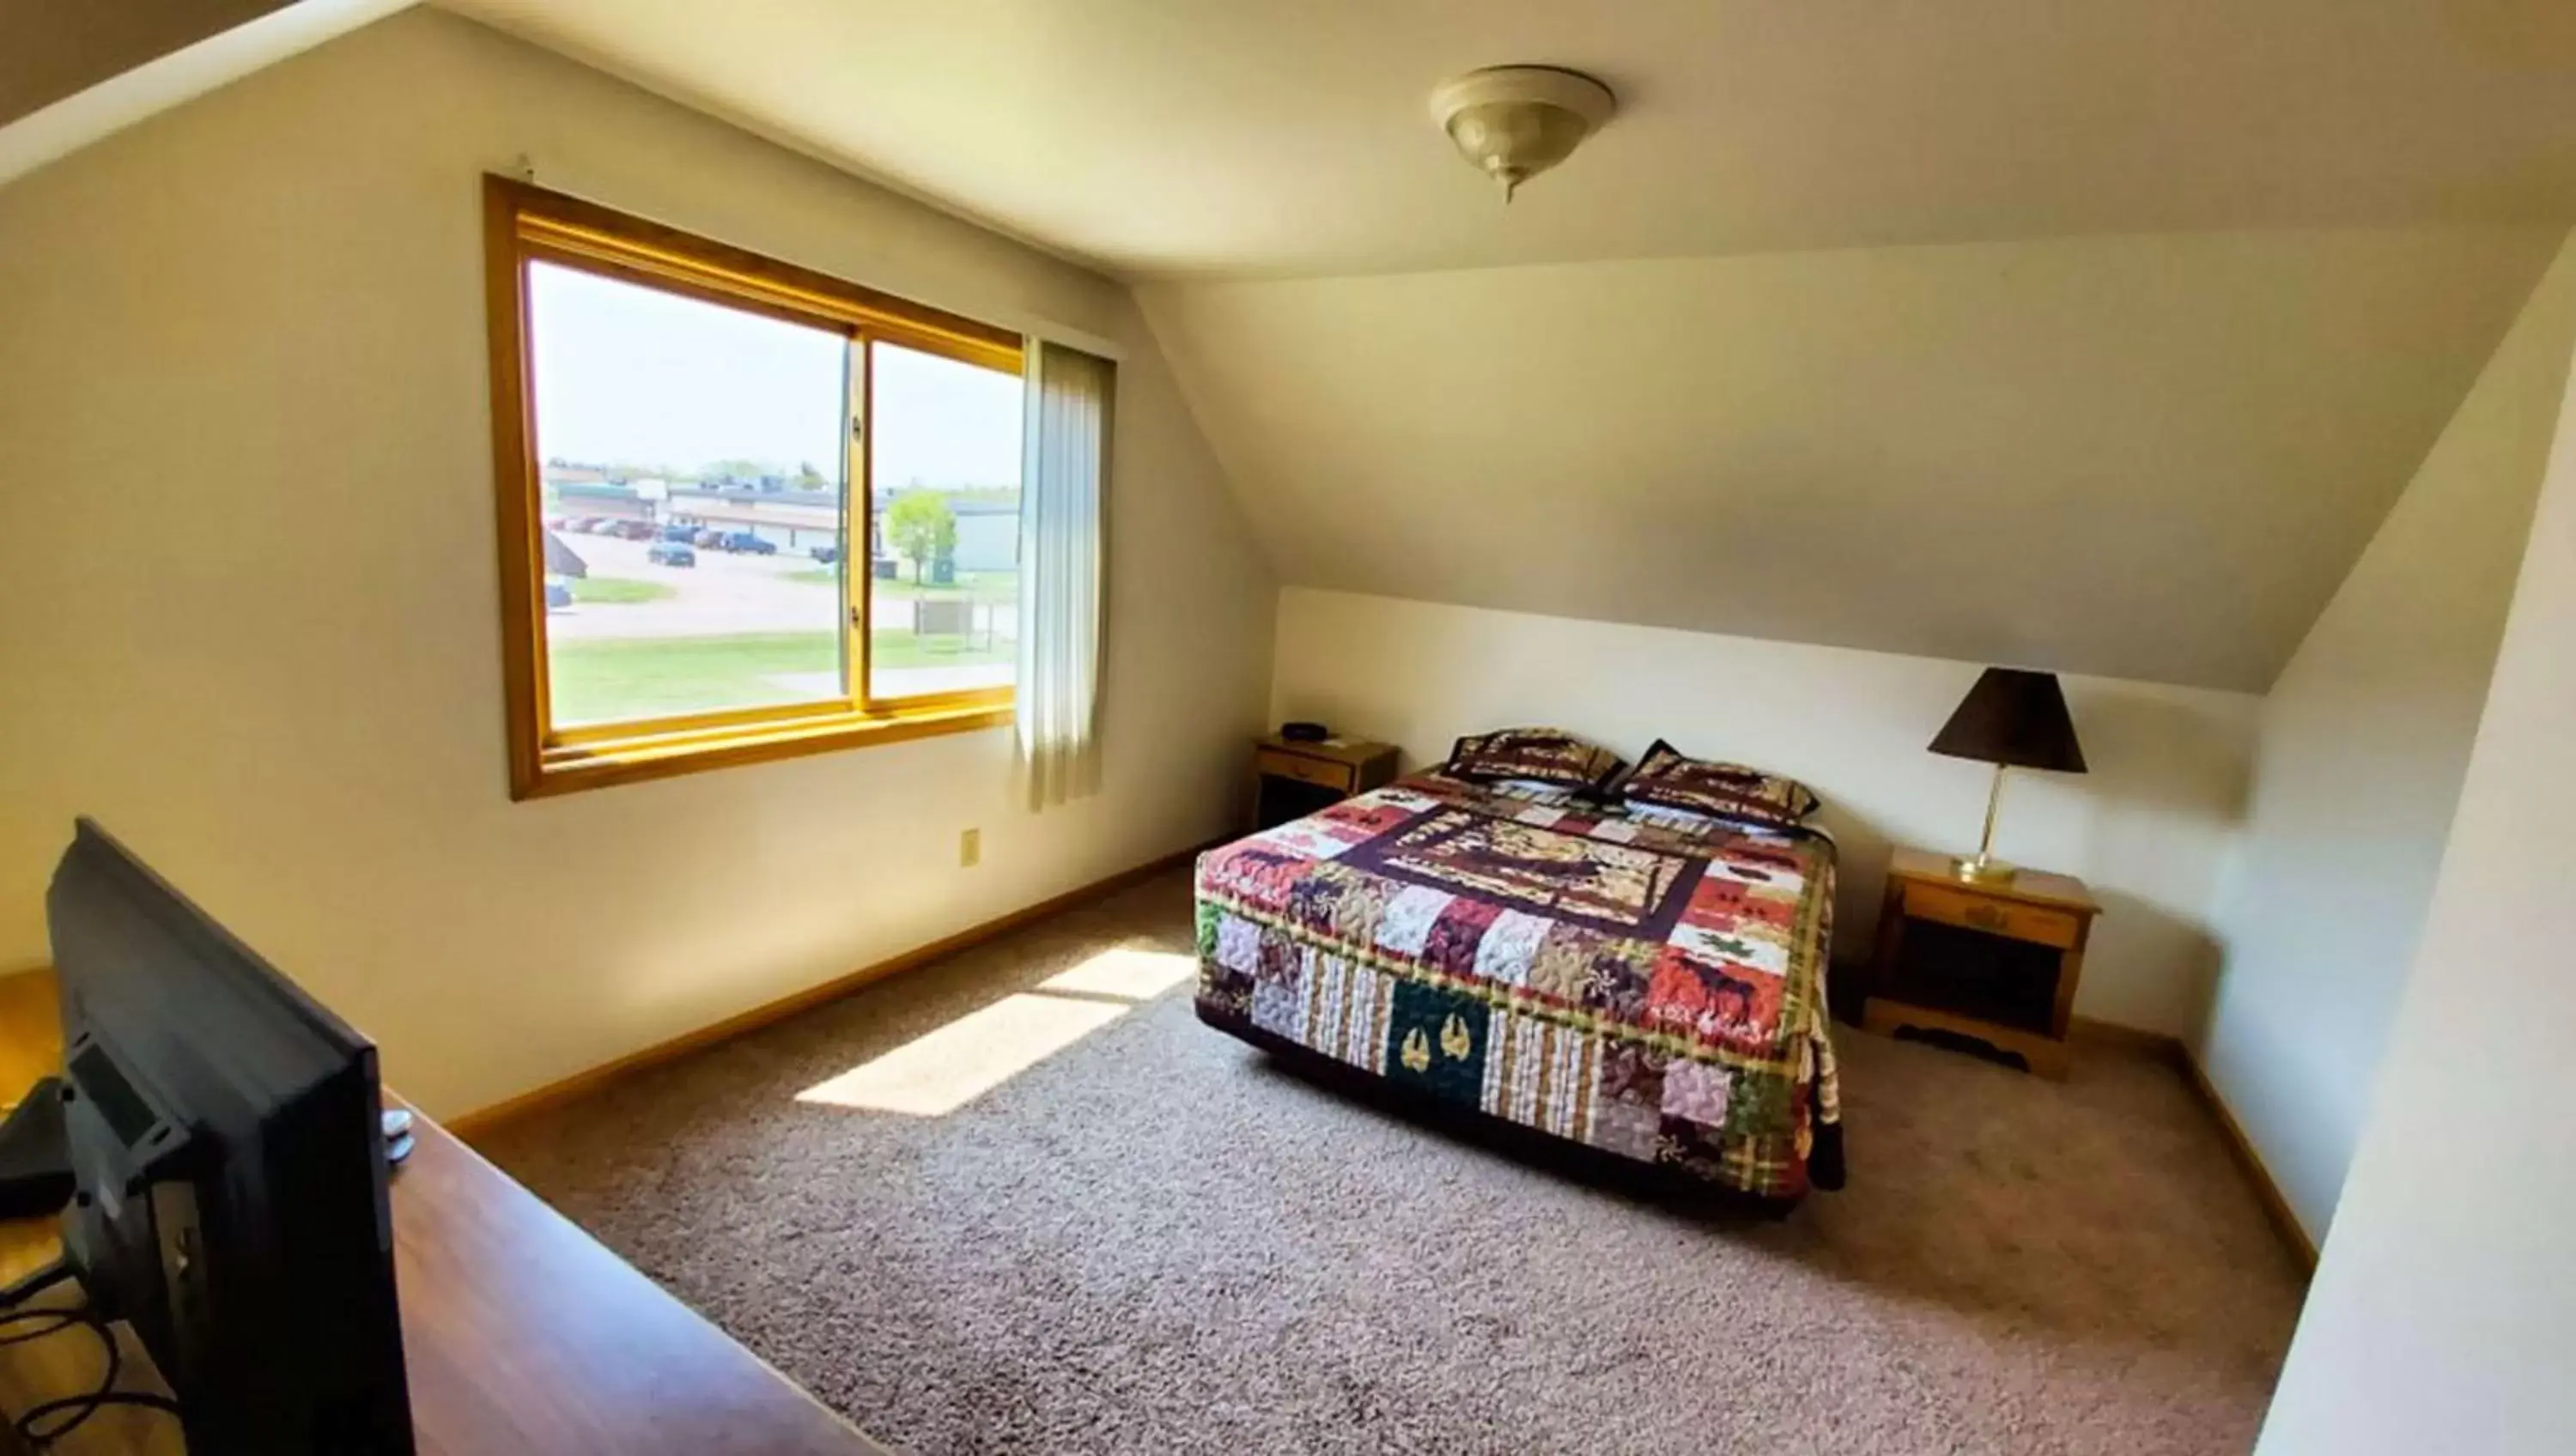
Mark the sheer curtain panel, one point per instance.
(1063, 481)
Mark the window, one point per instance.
(746, 510)
(944, 492)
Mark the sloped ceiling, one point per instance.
(75, 71)
(2097, 336)
(1246, 136)
(50, 49)
(2140, 457)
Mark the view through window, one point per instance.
(943, 594)
(698, 521)
(691, 483)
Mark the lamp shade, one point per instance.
(2015, 718)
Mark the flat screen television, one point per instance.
(229, 1170)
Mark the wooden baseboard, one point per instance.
(2286, 1222)
(2275, 1206)
(484, 1120)
(2112, 1033)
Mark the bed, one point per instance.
(1642, 991)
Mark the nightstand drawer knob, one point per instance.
(1321, 773)
(1993, 915)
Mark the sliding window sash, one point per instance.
(524, 224)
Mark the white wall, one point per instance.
(247, 589)
(2148, 828)
(2364, 741)
(2444, 1309)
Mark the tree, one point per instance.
(809, 478)
(920, 526)
(734, 472)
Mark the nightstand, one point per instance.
(1995, 962)
(1293, 780)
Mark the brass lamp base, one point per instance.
(1982, 870)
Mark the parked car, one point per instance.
(709, 538)
(671, 553)
(682, 534)
(631, 530)
(558, 523)
(558, 596)
(827, 554)
(745, 543)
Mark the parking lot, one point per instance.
(643, 639)
(724, 593)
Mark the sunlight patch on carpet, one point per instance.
(1133, 975)
(942, 1070)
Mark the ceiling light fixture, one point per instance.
(1514, 122)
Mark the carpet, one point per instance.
(1153, 1240)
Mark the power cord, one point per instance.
(62, 1319)
(27, 1286)
(47, 1422)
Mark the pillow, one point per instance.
(1535, 788)
(1546, 755)
(1666, 778)
(1665, 814)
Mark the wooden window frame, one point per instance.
(524, 224)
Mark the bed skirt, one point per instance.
(1662, 1184)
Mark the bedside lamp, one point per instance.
(2011, 719)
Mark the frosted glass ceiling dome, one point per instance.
(1514, 122)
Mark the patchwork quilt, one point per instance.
(1648, 985)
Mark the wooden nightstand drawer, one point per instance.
(1991, 963)
(1322, 773)
(1293, 780)
(1971, 911)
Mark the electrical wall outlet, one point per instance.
(970, 848)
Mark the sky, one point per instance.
(633, 375)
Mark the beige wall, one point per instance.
(247, 593)
(2440, 1319)
(2364, 741)
(2148, 828)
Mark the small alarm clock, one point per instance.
(1304, 732)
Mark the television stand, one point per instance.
(523, 1335)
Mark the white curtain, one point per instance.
(1063, 475)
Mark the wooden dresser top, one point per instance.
(1357, 752)
(521, 1333)
(2030, 887)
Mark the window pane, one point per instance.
(692, 500)
(944, 462)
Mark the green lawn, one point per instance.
(615, 679)
(897, 647)
(619, 590)
(621, 679)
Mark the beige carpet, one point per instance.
(1153, 1241)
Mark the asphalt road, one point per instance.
(722, 595)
